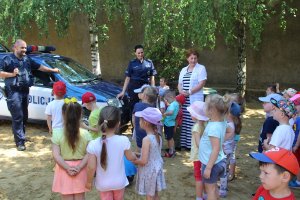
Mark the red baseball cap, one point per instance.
(59, 88)
(88, 97)
(180, 99)
(279, 156)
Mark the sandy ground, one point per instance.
(28, 175)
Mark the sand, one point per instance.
(28, 175)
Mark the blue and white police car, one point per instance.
(77, 79)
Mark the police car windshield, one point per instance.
(72, 71)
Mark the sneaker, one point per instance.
(222, 193)
(21, 147)
(294, 184)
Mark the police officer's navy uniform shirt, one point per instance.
(140, 71)
(25, 66)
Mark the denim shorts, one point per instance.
(217, 171)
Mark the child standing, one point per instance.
(170, 121)
(181, 100)
(269, 124)
(162, 86)
(69, 152)
(283, 135)
(150, 179)
(236, 118)
(105, 156)
(296, 144)
(89, 101)
(148, 97)
(271, 89)
(198, 116)
(232, 118)
(277, 167)
(211, 154)
(54, 108)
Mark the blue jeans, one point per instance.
(17, 104)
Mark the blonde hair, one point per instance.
(237, 98)
(150, 94)
(155, 129)
(217, 102)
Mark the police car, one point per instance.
(77, 78)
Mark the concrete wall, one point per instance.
(276, 60)
(75, 44)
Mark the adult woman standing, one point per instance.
(192, 79)
(140, 71)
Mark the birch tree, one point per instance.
(172, 26)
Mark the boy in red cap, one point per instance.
(89, 101)
(54, 108)
(277, 168)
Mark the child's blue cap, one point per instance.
(268, 98)
(235, 109)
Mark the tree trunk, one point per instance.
(94, 48)
(241, 67)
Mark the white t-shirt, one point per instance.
(283, 137)
(114, 178)
(54, 108)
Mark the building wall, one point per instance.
(276, 60)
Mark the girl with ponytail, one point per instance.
(105, 157)
(69, 152)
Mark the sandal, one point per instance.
(169, 155)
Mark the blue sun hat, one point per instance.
(235, 109)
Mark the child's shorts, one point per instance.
(113, 194)
(169, 132)
(217, 171)
(197, 170)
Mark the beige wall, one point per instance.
(75, 44)
(276, 60)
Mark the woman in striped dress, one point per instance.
(192, 79)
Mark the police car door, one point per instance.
(4, 112)
(39, 96)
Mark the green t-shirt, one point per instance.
(93, 122)
(66, 151)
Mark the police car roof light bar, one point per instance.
(42, 49)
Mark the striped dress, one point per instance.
(187, 122)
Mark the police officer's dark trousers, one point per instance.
(17, 103)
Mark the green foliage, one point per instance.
(171, 26)
(20, 15)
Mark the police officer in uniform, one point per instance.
(16, 70)
(140, 71)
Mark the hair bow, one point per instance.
(70, 100)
